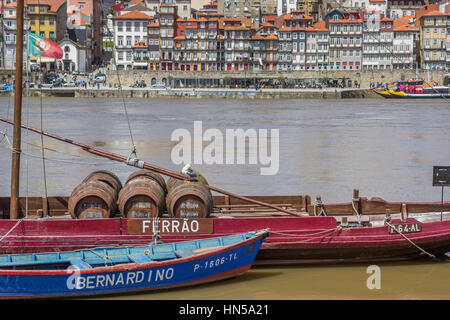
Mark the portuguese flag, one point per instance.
(41, 47)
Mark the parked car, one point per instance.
(58, 82)
(45, 85)
(159, 85)
(69, 84)
(139, 84)
(100, 78)
(34, 67)
(6, 87)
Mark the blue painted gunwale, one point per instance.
(199, 268)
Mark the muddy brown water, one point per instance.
(384, 148)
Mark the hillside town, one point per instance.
(234, 35)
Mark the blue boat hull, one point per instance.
(211, 266)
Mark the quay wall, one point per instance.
(147, 93)
(363, 78)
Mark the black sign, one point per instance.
(441, 176)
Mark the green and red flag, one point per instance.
(41, 47)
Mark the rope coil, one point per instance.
(355, 210)
(319, 204)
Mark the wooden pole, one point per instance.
(404, 213)
(356, 202)
(15, 165)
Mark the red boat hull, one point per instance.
(291, 239)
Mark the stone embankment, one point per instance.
(145, 93)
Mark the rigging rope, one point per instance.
(40, 94)
(319, 203)
(306, 234)
(7, 117)
(410, 241)
(10, 230)
(356, 211)
(133, 151)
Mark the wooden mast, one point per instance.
(15, 166)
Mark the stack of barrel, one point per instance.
(96, 196)
(144, 195)
(189, 199)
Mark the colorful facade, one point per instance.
(345, 40)
(433, 37)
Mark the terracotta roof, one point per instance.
(236, 28)
(405, 21)
(435, 13)
(54, 4)
(269, 25)
(405, 28)
(133, 15)
(75, 43)
(10, 5)
(320, 26)
(285, 29)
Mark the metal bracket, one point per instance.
(135, 162)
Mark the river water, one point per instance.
(384, 148)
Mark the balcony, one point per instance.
(140, 59)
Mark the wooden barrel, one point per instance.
(107, 177)
(142, 197)
(93, 199)
(150, 175)
(172, 182)
(189, 200)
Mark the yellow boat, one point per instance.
(396, 94)
(383, 93)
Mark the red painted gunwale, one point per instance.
(290, 235)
